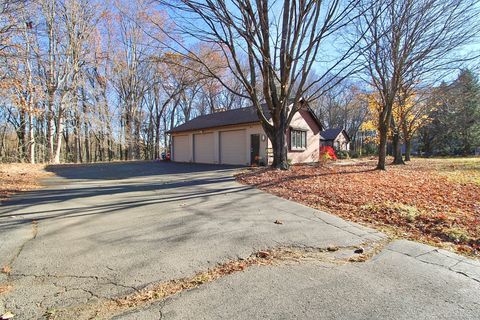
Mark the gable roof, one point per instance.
(227, 118)
(332, 134)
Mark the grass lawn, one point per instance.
(436, 201)
(18, 177)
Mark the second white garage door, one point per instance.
(233, 147)
(203, 148)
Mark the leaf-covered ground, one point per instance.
(19, 177)
(432, 200)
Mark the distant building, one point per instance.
(336, 138)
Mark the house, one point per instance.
(237, 137)
(336, 138)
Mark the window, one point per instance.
(298, 139)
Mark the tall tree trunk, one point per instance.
(86, 128)
(88, 156)
(50, 128)
(128, 137)
(22, 136)
(59, 136)
(77, 131)
(157, 138)
(166, 148)
(32, 138)
(408, 149)
(279, 145)
(382, 147)
(397, 148)
(278, 138)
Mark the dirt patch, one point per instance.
(19, 177)
(419, 201)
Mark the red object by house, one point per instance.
(327, 151)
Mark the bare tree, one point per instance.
(9, 21)
(271, 48)
(409, 42)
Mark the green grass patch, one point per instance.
(458, 170)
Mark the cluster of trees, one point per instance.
(439, 119)
(93, 81)
(454, 119)
(83, 81)
(346, 106)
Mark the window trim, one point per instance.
(295, 134)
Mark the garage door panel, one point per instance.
(233, 147)
(204, 148)
(181, 149)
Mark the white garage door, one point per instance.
(203, 148)
(233, 147)
(181, 149)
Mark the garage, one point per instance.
(203, 146)
(233, 147)
(181, 152)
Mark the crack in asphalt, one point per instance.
(450, 268)
(373, 232)
(159, 291)
(96, 278)
(22, 246)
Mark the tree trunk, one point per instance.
(88, 156)
(50, 128)
(408, 149)
(382, 147)
(32, 138)
(58, 137)
(157, 139)
(278, 138)
(397, 149)
(279, 145)
(78, 142)
(128, 137)
(22, 136)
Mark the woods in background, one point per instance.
(82, 81)
(86, 81)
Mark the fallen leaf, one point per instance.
(7, 315)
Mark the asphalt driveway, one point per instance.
(102, 231)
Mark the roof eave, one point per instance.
(214, 127)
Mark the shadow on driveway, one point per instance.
(151, 183)
(131, 169)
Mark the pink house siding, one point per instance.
(303, 120)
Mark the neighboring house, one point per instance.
(237, 137)
(336, 138)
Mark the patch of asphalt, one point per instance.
(106, 233)
(111, 233)
(392, 285)
(438, 257)
(107, 309)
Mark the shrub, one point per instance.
(354, 154)
(342, 154)
(327, 153)
(370, 149)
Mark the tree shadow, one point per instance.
(130, 169)
(163, 183)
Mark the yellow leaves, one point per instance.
(369, 125)
(409, 112)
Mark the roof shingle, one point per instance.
(228, 118)
(223, 118)
(330, 134)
